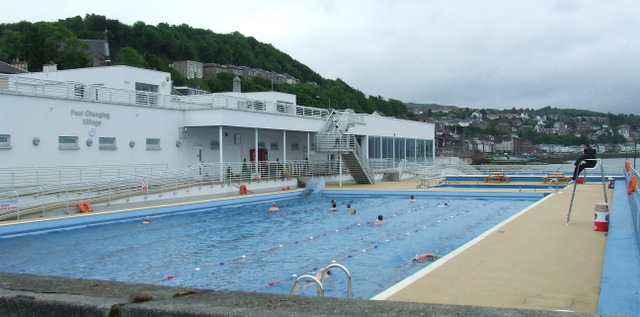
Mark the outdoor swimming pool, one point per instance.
(238, 245)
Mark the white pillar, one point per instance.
(284, 146)
(256, 151)
(221, 155)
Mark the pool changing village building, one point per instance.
(122, 115)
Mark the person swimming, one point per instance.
(350, 209)
(425, 257)
(380, 221)
(147, 220)
(412, 199)
(334, 205)
(274, 208)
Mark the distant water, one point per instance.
(611, 165)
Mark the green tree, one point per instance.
(129, 56)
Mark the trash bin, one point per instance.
(601, 222)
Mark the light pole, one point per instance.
(318, 97)
(635, 152)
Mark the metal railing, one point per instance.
(69, 190)
(318, 280)
(27, 86)
(18, 177)
(37, 190)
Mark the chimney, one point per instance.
(49, 68)
(236, 84)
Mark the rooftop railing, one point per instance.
(34, 87)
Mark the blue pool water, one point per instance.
(240, 246)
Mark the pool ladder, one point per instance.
(318, 282)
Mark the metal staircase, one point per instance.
(334, 137)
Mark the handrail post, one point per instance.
(66, 196)
(109, 189)
(18, 200)
(320, 288)
(343, 268)
(42, 193)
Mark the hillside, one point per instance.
(155, 47)
(158, 46)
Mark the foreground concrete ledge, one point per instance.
(36, 295)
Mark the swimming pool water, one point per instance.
(243, 247)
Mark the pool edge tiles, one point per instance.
(442, 261)
(35, 225)
(430, 194)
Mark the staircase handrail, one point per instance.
(357, 151)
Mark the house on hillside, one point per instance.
(98, 52)
(6, 68)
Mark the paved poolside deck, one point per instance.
(536, 261)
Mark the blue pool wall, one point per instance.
(503, 186)
(36, 225)
(76, 220)
(620, 285)
(521, 178)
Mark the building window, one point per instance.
(5, 141)
(275, 146)
(153, 144)
(294, 146)
(215, 144)
(66, 142)
(107, 143)
(261, 145)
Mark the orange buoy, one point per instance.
(84, 207)
(627, 165)
(632, 185)
(243, 189)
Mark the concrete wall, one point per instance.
(33, 295)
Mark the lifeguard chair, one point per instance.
(595, 167)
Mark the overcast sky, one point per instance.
(467, 53)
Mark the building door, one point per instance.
(198, 152)
(259, 163)
(199, 159)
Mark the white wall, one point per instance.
(389, 127)
(119, 77)
(25, 118)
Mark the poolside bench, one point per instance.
(496, 177)
(559, 177)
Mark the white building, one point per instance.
(121, 115)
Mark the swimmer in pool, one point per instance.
(412, 199)
(379, 221)
(425, 257)
(334, 205)
(350, 209)
(274, 208)
(146, 220)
